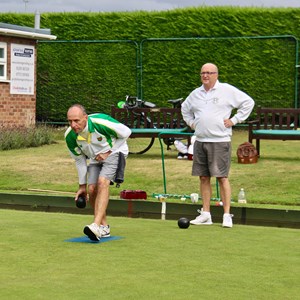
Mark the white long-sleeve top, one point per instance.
(205, 111)
(101, 134)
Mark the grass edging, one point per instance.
(152, 209)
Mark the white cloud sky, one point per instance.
(30, 6)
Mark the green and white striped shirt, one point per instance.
(101, 134)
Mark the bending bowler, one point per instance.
(96, 142)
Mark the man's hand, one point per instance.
(102, 156)
(81, 191)
(228, 123)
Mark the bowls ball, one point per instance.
(183, 223)
(81, 202)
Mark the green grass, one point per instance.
(154, 260)
(274, 180)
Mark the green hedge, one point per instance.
(93, 74)
(99, 75)
(190, 22)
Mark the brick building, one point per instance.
(18, 57)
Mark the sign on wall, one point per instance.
(22, 69)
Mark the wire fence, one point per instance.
(263, 67)
(93, 73)
(100, 73)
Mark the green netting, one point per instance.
(96, 74)
(263, 67)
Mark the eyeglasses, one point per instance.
(207, 73)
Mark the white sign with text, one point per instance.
(22, 69)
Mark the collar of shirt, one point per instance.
(85, 132)
(202, 89)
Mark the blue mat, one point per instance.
(85, 239)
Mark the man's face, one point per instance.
(77, 119)
(209, 75)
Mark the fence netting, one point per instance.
(95, 74)
(98, 74)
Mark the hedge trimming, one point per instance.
(188, 22)
(59, 92)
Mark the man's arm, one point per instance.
(187, 114)
(81, 166)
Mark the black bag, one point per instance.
(119, 178)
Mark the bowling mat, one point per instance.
(85, 239)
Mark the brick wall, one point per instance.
(16, 110)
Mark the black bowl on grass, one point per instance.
(183, 223)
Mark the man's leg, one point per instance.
(206, 192)
(92, 190)
(99, 197)
(101, 201)
(204, 218)
(225, 192)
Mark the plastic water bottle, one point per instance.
(242, 196)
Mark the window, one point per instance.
(3, 61)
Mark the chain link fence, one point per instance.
(100, 73)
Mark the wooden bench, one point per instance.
(150, 122)
(274, 124)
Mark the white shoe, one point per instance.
(203, 219)
(180, 156)
(105, 231)
(93, 232)
(227, 220)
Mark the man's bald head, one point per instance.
(77, 117)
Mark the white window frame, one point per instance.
(3, 61)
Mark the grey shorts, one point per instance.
(211, 159)
(106, 168)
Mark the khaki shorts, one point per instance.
(211, 159)
(106, 168)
